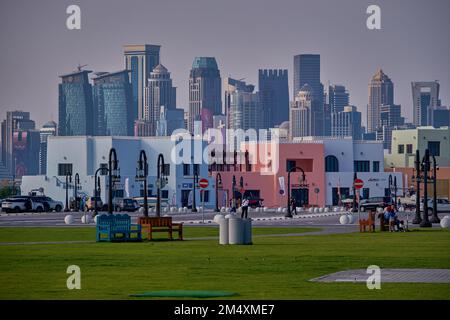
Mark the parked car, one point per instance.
(151, 201)
(374, 203)
(48, 203)
(90, 204)
(126, 204)
(443, 205)
(21, 204)
(255, 202)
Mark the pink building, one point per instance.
(263, 168)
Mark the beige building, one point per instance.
(406, 142)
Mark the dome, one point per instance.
(284, 125)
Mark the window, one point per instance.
(165, 194)
(290, 164)
(118, 193)
(331, 164)
(435, 148)
(409, 148)
(166, 169)
(186, 169)
(401, 148)
(361, 166)
(376, 166)
(64, 169)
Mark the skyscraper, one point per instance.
(274, 93)
(346, 123)
(381, 91)
(75, 104)
(390, 119)
(337, 97)
(205, 90)
(300, 117)
(113, 114)
(244, 109)
(158, 93)
(47, 130)
(140, 60)
(424, 95)
(307, 72)
(169, 120)
(438, 116)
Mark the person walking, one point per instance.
(293, 206)
(244, 208)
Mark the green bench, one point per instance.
(117, 227)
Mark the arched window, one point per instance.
(331, 164)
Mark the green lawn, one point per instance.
(272, 268)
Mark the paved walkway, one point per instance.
(390, 275)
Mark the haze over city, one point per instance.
(244, 36)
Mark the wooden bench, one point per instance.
(369, 223)
(160, 224)
(117, 227)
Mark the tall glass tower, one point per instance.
(381, 92)
(75, 104)
(113, 108)
(274, 92)
(140, 60)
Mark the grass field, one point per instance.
(272, 268)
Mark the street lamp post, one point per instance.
(159, 183)
(425, 222)
(233, 187)
(195, 180)
(77, 183)
(354, 192)
(417, 218)
(68, 177)
(289, 214)
(218, 181)
(97, 189)
(114, 175)
(434, 217)
(141, 175)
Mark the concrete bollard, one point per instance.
(247, 231)
(236, 230)
(223, 230)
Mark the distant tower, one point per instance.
(381, 92)
(140, 60)
(75, 104)
(301, 117)
(158, 93)
(346, 123)
(47, 130)
(424, 95)
(205, 90)
(113, 104)
(274, 92)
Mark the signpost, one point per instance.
(203, 183)
(358, 184)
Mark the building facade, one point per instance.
(140, 60)
(381, 92)
(205, 92)
(169, 121)
(113, 104)
(347, 123)
(274, 95)
(75, 105)
(425, 94)
(47, 130)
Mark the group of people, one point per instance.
(390, 215)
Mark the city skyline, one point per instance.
(350, 60)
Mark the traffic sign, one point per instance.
(203, 183)
(358, 183)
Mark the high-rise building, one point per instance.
(425, 94)
(143, 128)
(307, 72)
(301, 117)
(140, 60)
(113, 108)
(381, 92)
(205, 90)
(438, 116)
(169, 120)
(347, 123)
(390, 119)
(274, 94)
(337, 97)
(158, 93)
(47, 130)
(75, 104)
(15, 127)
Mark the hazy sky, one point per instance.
(243, 35)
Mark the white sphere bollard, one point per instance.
(316, 210)
(180, 210)
(342, 209)
(265, 209)
(320, 210)
(343, 219)
(311, 210)
(141, 210)
(284, 210)
(445, 223)
(335, 209)
(326, 209)
(68, 219)
(350, 218)
(85, 219)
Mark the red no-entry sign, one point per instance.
(203, 183)
(358, 183)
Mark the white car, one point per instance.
(443, 205)
(18, 204)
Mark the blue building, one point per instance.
(274, 96)
(75, 104)
(169, 121)
(113, 108)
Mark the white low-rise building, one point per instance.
(85, 154)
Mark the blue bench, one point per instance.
(117, 227)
